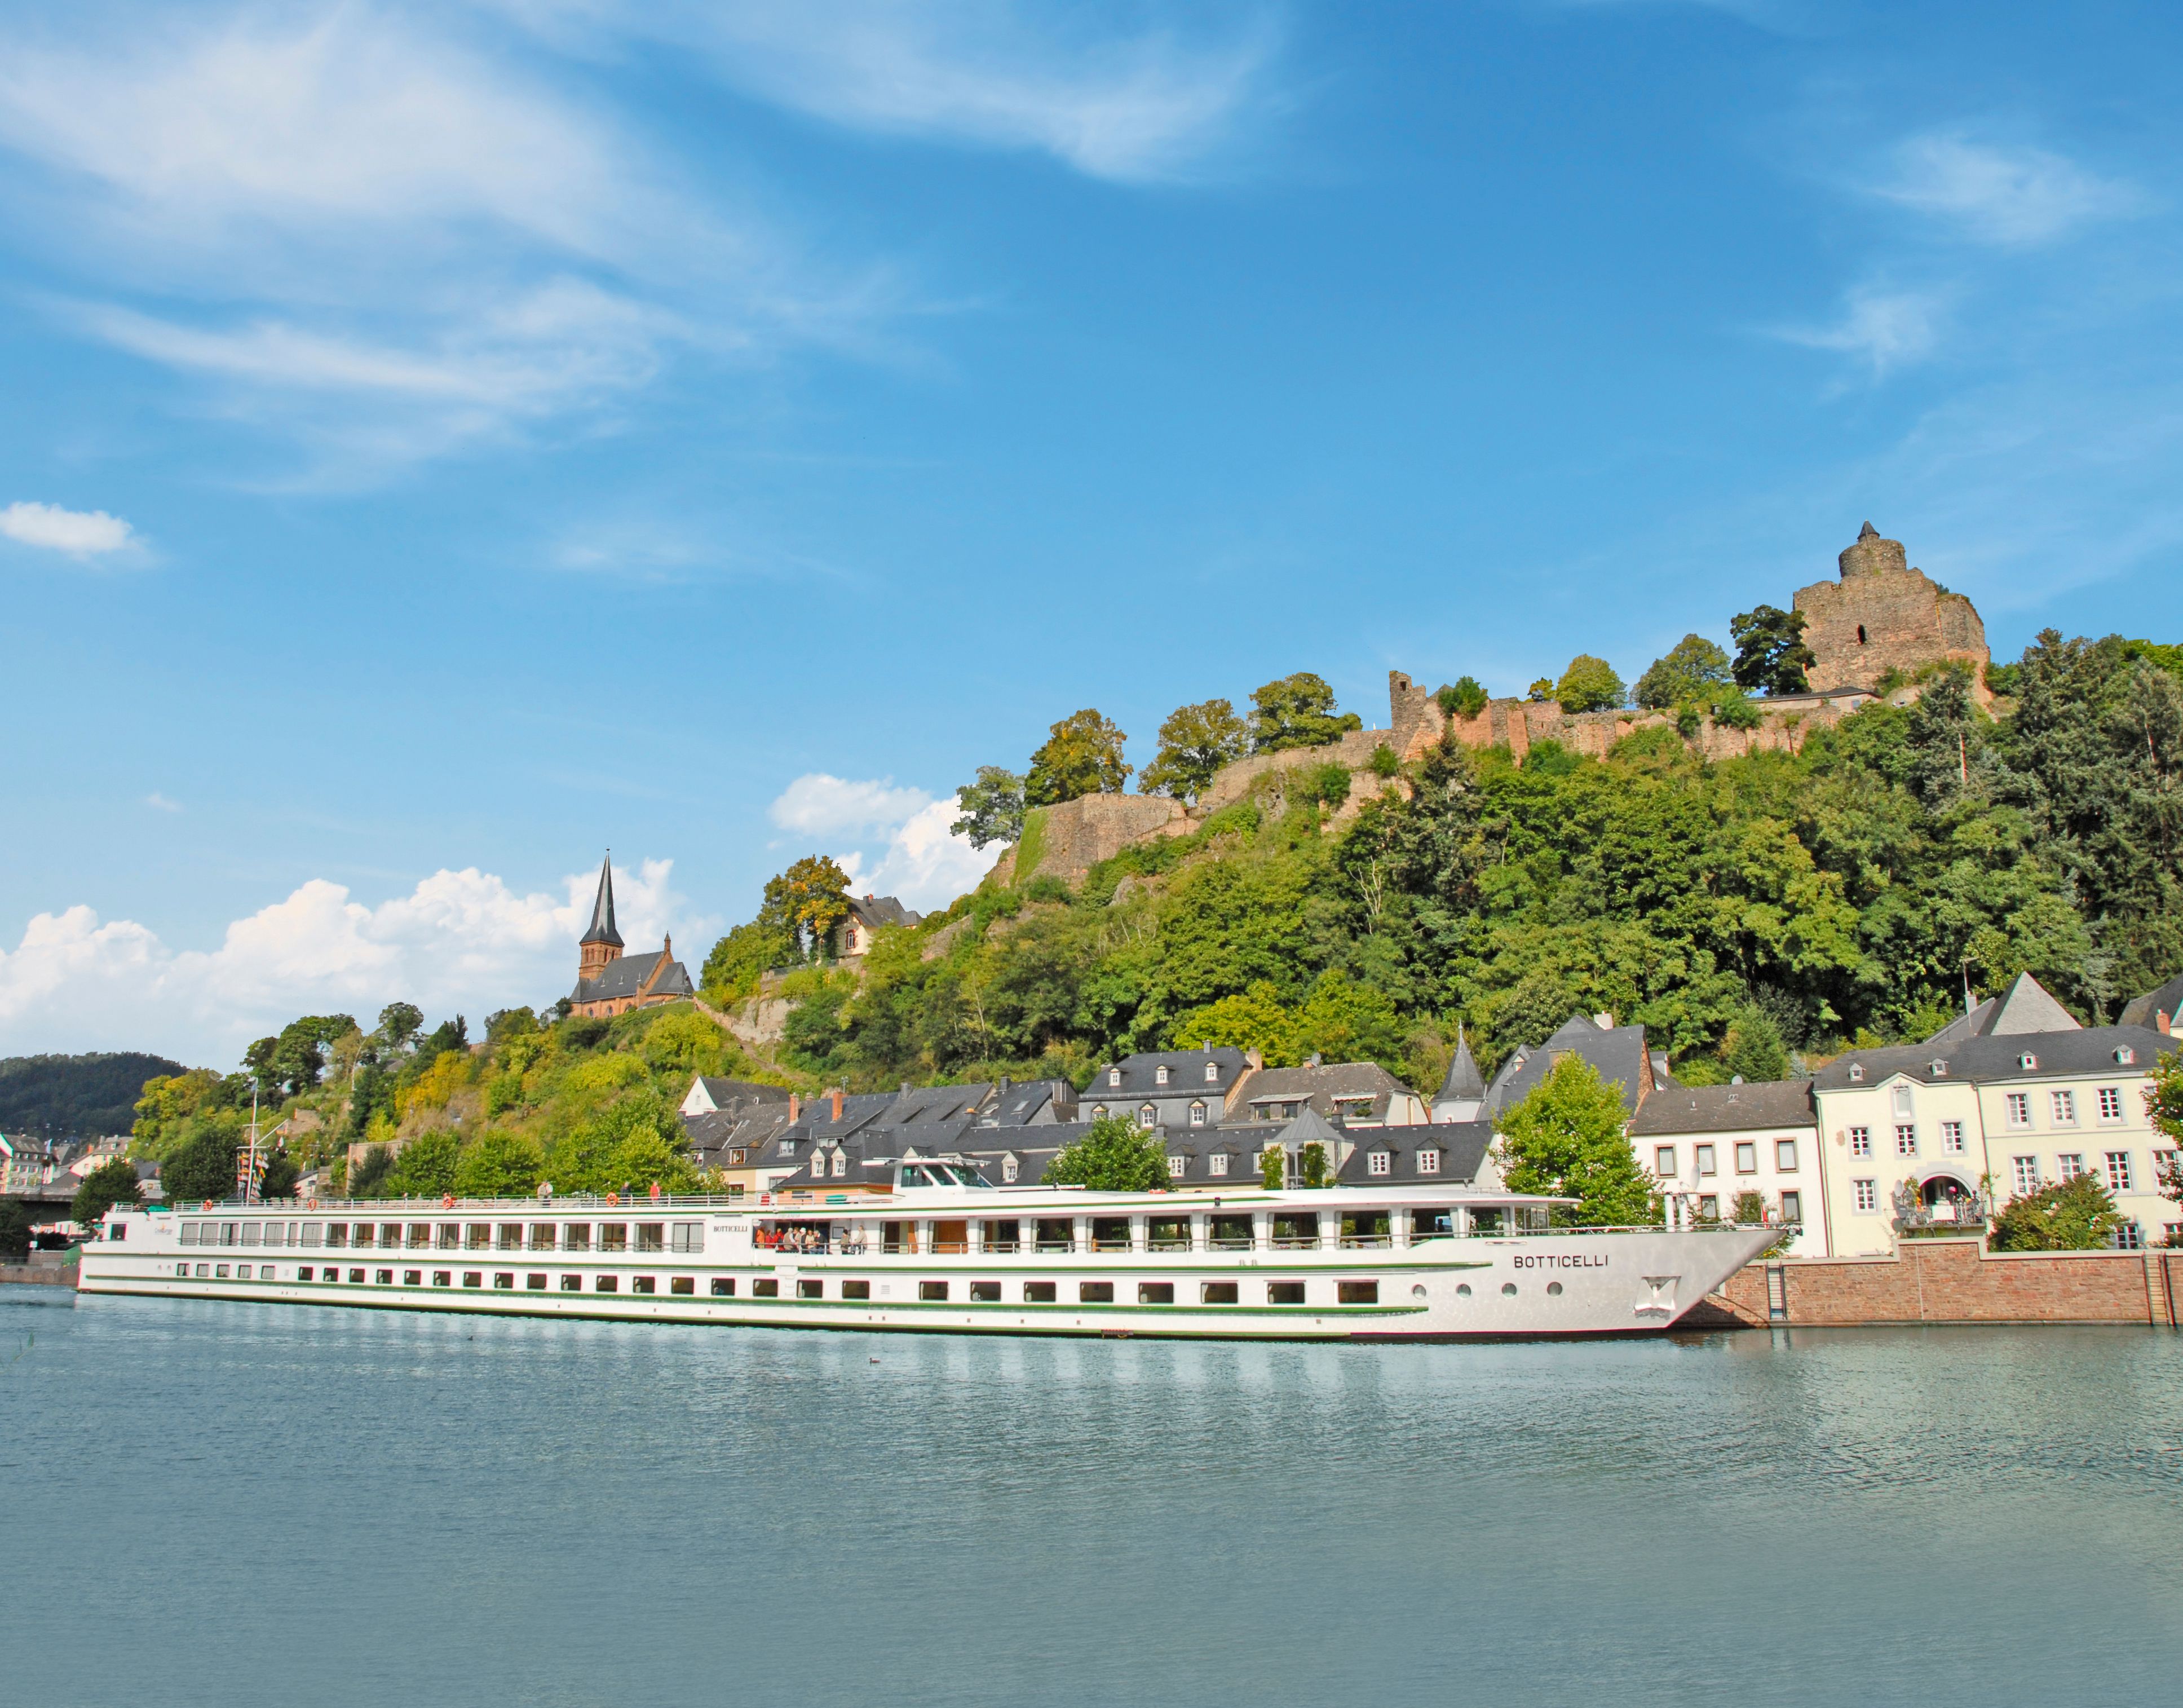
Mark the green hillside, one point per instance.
(75, 1096)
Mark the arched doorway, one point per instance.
(1945, 1198)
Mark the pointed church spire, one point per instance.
(602, 920)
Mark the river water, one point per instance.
(243, 1505)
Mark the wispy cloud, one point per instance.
(2011, 196)
(80, 534)
(916, 856)
(357, 230)
(819, 805)
(1882, 329)
(1109, 93)
(159, 803)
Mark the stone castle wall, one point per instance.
(1074, 836)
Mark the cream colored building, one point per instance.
(1709, 1145)
(2014, 1096)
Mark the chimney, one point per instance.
(1315, 1060)
(795, 1108)
(1605, 1022)
(2161, 1022)
(1254, 1060)
(834, 1097)
(1006, 1083)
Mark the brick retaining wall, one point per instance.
(1959, 1281)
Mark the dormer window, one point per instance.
(1113, 1075)
(1197, 1115)
(788, 1147)
(1147, 1117)
(1160, 1074)
(1008, 1170)
(1098, 1111)
(1212, 1072)
(2125, 1056)
(1940, 1070)
(2027, 1061)
(1856, 1073)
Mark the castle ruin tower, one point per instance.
(601, 943)
(1882, 615)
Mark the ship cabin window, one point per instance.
(850, 1289)
(1431, 1224)
(190, 1233)
(682, 1283)
(542, 1235)
(985, 1292)
(1055, 1233)
(765, 1286)
(644, 1283)
(360, 1236)
(1156, 1293)
(1039, 1293)
(689, 1236)
(504, 1281)
(1095, 1293)
(534, 1283)
(313, 1233)
(1229, 1233)
(336, 1234)
(932, 1290)
(607, 1283)
(572, 1283)
(723, 1286)
(651, 1235)
(450, 1236)
(1285, 1292)
(382, 1277)
(390, 1236)
(420, 1236)
(250, 1230)
(480, 1236)
(577, 1235)
(508, 1236)
(1110, 1233)
(1218, 1293)
(613, 1236)
(1357, 1292)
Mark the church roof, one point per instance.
(627, 974)
(602, 920)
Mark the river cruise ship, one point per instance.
(945, 1250)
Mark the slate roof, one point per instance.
(1771, 1103)
(624, 975)
(1318, 1087)
(2024, 1007)
(729, 1094)
(1616, 1054)
(878, 910)
(718, 1133)
(1185, 1074)
(1997, 1059)
(602, 918)
(1463, 1083)
(2145, 1010)
(1462, 1145)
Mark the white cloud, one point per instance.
(2016, 195)
(358, 229)
(926, 864)
(159, 803)
(1112, 97)
(1885, 330)
(460, 940)
(920, 860)
(818, 804)
(80, 533)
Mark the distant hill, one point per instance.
(75, 1096)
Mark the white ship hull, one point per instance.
(1436, 1287)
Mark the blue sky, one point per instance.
(444, 441)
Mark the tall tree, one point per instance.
(1195, 742)
(1082, 756)
(1694, 670)
(808, 901)
(1114, 1156)
(1567, 1139)
(1589, 685)
(112, 1181)
(993, 808)
(1771, 657)
(1297, 711)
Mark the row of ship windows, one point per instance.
(453, 1236)
(809, 1287)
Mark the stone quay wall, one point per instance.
(1959, 1281)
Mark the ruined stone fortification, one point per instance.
(1882, 615)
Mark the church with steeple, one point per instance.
(609, 982)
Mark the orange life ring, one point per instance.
(447, 1202)
(310, 1203)
(613, 1198)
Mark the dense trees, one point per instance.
(992, 807)
(75, 1096)
(1114, 1156)
(1695, 668)
(1565, 1139)
(1589, 685)
(112, 1181)
(2074, 1214)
